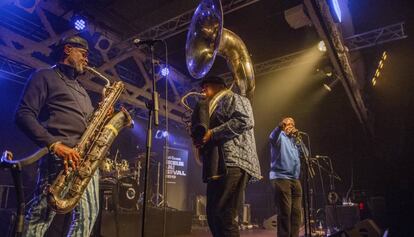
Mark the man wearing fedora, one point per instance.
(228, 151)
(53, 112)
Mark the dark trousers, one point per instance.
(224, 200)
(288, 199)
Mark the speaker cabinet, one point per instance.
(270, 223)
(342, 217)
(365, 228)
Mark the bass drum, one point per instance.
(126, 194)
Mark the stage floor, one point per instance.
(256, 232)
(243, 233)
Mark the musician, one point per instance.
(230, 140)
(54, 112)
(284, 176)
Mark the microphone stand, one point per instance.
(16, 169)
(152, 113)
(308, 191)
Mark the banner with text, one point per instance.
(176, 178)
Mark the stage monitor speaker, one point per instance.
(270, 223)
(365, 228)
(343, 217)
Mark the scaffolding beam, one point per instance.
(376, 37)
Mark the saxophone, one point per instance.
(68, 187)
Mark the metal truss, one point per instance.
(178, 24)
(355, 42)
(14, 71)
(280, 63)
(376, 37)
(328, 30)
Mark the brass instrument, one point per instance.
(206, 38)
(67, 189)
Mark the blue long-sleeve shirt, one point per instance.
(285, 156)
(54, 107)
(235, 133)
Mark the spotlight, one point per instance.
(322, 46)
(165, 71)
(379, 68)
(79, 23)
(160, 134)
(329, 86)
(384, 55)
(103, 43)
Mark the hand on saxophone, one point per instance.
(198, 143)
(69, 156)
(207, 136)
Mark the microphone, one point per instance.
(138, 42)
(322, 157)
(297, 132)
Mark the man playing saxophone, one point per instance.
(228, 151)
(54, 112)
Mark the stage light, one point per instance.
(322, 46)
(79, 23)
(335, 10)
(160, 134)
(327, 87)
(331, 85)
(377, 73)
(165, 71)
(379, 68)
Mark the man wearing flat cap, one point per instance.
(228, 151)
(53, 112)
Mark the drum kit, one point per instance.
(120, 183)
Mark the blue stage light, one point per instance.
(79, 23)
(160, 134)
(165, 71)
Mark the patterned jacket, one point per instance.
(234, 133)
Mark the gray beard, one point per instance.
(78, 68)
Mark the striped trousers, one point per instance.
(40, 216)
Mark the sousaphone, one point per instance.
(207, 38)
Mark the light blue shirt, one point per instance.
(285, 156)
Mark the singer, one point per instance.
(284, 177)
